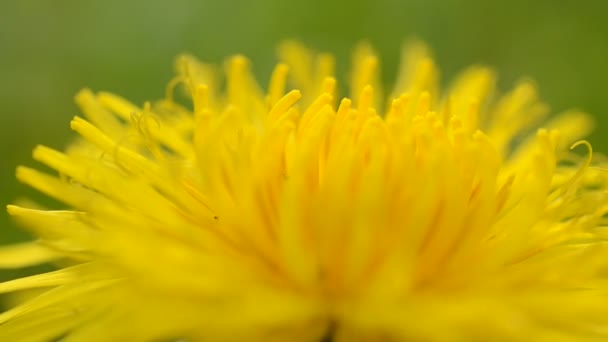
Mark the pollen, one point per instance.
(231, 211)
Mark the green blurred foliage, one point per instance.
(51, 49)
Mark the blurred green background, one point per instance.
(51, 49)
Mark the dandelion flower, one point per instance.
(294, 215)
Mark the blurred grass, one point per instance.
(51, 49)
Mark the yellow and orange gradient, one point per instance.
(297, 215)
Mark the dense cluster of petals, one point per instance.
(297, 215)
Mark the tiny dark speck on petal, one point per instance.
(329, 333)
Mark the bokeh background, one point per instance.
(51, 49)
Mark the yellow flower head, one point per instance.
(296, 216)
